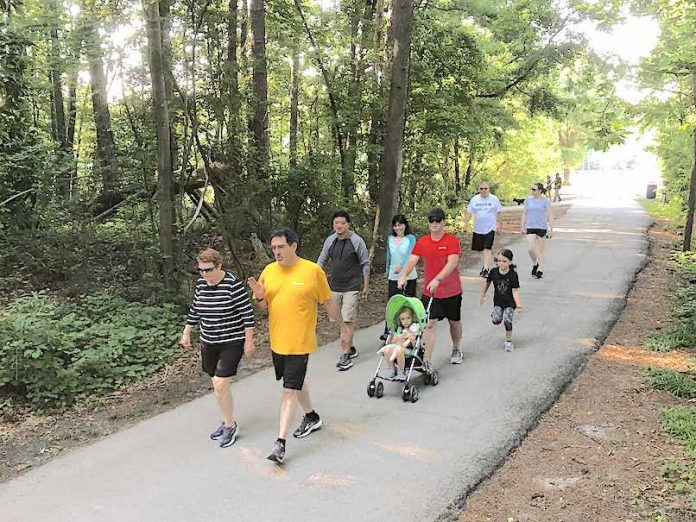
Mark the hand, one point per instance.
(483, 300)
(401, 283)
(432, 286)
(185, 340)
(519, 309)
(249, 348)
(397, 269)
(257, 288)
(365, 292)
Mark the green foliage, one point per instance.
(672, 211)
(680, 384)
(682, 475)
(53, 352)
(681, 334)
(680, 423)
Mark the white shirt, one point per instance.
(485, 210)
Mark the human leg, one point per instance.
(508, 315)
(541, 249)
(532, 247)
(497, 315)
(486, 258)
(429, 339)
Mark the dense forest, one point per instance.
(134, 133)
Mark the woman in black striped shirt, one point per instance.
(222, 309)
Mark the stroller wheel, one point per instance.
(406, 393)
(414, 394)
(379, 392)
(435, 379)
(427, 378)
(371, 389)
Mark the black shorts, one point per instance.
(409, 290)
(447, 308)
(291, 368)
(221, 359)
(541, 232)
(482, 241)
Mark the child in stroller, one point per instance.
(402, 342)
(406, 317)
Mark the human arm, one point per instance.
(523, 218)
(549, 216)
(406, 269)
(325, 250)
(516, 297)
(485, 290)
(364, 260)
(191, 320)
(259, 292)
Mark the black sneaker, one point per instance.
(344, 362)
(384, 336)
(229, 435)
(534, 269)
(278, 453)
(352, 352)
(539, 274)
(307, 426)
(218, 432)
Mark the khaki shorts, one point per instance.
(348, 304)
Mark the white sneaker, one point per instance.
(508, 346)
(457, 356)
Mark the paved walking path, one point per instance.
(374, 459)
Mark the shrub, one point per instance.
(52, 353)
(680, 384)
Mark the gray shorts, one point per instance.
(347, 302)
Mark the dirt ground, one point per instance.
(596, 454)
(28, 440)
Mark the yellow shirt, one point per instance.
(292, 294)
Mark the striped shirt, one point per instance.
(223, 310)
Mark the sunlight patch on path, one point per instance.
(678, 361)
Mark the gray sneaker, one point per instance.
(278, 453)
(400, 376)
(307, 426)
(344, 362)
(229, 435)
(508, 346)
(457, 356)
(218, 432)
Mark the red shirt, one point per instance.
(434, 255)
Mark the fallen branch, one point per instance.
(11, 198)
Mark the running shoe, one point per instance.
(278, 453)
(352, 352)
(218, 432)
(508, 346)
(539, 274)
(457, 356)
(344, 362)
(229, 435)
(534, 269)
(307, 426)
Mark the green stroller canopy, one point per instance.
(397, 302)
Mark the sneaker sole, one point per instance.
(232, 441)
(353, 355)
(273, 458)
(310, 430)
(216, 437)
(343, 368)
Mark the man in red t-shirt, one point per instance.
(440, 253)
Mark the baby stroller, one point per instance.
(414, 355)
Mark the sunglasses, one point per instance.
(206, 270)
(484, 188)
(534, 189)
(434, 220)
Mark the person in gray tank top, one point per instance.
(537, 223)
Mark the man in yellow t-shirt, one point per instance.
(290, 290)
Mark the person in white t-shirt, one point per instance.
(485, 209)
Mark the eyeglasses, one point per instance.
(206, 270)
(434, 220)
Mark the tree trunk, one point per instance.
(260, 152)
(164, 158)
(691, 203)
(294, 105)
(234, 106)
(457, 174)
(375, 133)
(106, 150)
(402, 17)
(469, 167)
(56, 73)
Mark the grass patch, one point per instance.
(682, 475)
(680, 384)
(680, 423)
(671, 211)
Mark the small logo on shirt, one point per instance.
(442, 247)
(297, 283)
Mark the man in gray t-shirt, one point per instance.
(350, 274)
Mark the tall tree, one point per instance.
(402, 17)
(260, 150)
(164, 158)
